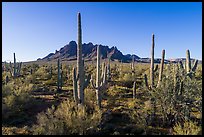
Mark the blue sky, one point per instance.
(34, 29)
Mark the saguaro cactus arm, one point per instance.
(156, 68)
(195, 65)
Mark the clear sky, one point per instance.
(34, 29)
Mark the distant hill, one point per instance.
(89, 52)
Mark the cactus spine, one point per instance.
(161, 68)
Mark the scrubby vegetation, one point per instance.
(103, 98)
(31, 103)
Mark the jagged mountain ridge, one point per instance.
(89, 52)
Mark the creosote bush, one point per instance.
(68, 119)
(187, 128)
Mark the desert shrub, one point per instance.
(68, 119)
(174, 102)
(15, 99)
(187, 128)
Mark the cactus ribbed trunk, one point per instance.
(14, 71)
(161, 68)
(145, 80)
(133, 63)
(58, 75)
(188, 61)
(7, 80)
(79, 63)
(152, 64)
(98, 94)
(134, 90)
(75, 86)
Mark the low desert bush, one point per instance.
(68, 119)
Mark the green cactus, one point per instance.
(7, 80)
(189, 69)
(14, 71)
(11, 69)
(50, 72)
(59, 75)
(145, 80)
(134, 90)
(152, 69)
(75, 85)
(100, 81)
(188, 61)
(152, 64)
(161, 68)
(80, 76)
(31, 71)
(108, 70)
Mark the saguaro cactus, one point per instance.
(100, 81)
(188, 68)
(59, 75)
(7, 79)
(80, 76)
(108, 69)
(50, 72)
(152, 69)
(161, 68)
(134, 90)
(14, 71)
(152, 64)
(188, 61)
(75, 85)
(79, 63)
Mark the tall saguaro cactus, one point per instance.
(188, 68)
(75, 85)
(100, 81)
(161, 68)
(152, 69)
(59, 78)
(188, 61)
(134, 90)
(108, 69)
(14, 71)
(79, 78)
(152, 64)
(79, 63)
